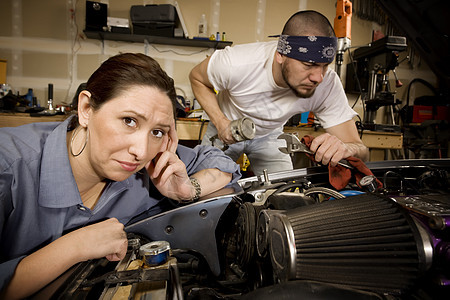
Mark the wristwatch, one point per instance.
(197, 187)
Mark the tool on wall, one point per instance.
(342, 29)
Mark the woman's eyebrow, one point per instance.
(135, 113)
(143, 117)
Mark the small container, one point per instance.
(203, 27)
(155, 253)
(29, 97)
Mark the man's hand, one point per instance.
(224, 132)
(340, 141)
(329, 149)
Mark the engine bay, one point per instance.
(289, 235)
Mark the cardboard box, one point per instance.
(2, 71)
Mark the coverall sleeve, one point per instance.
(207, 157)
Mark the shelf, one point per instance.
(139, 38)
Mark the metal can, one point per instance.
(155, 253)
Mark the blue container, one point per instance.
(155, 253)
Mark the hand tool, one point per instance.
(293, 145)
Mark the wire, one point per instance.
(182, 91)
(402, 179)
(357, 82)
(179, 53)
(360, 126)
(325, 191)
(200, 137)
(356, 101)
(424, 82)
(75, 47)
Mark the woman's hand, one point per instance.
(168, 172)
(103, 239)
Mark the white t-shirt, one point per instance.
(242, 75)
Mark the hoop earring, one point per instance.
(73, 138)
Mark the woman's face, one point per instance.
(128, 131)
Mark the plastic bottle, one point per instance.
(203, 27)
(29, 97)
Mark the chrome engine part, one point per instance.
(365, 242)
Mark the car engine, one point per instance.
(289, 235)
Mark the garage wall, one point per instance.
(43, 41)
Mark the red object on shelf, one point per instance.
(424, 112)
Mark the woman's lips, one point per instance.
(129, 167)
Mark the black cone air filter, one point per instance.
(365, 242)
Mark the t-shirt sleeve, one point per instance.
(219, 69)
(334, 109)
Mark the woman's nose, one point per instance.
(139, 146)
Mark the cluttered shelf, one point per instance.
(140, 38)
(187, 129)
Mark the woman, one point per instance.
(67, 189)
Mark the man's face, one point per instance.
(302, 77)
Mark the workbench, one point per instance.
(193, 131)
(17, 119)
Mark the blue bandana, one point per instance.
(314, 49)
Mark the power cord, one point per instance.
(357, 82)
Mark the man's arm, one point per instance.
(340, 141)
(204, 93)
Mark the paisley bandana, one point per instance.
(314, 49)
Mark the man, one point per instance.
(270, 82)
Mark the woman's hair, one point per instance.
(124, 70)
(308, 22)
